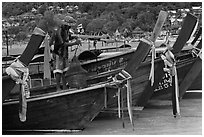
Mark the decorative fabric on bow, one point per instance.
(20, 74)
(153, 51)
(47, 59)
(170, 67)
(125, 76)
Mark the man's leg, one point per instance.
(58, 72)
(58, 79)
(65, 68)
(64, 81)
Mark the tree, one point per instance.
(14, 30)
(84, 22)
(21, 36)
(96, 25)
(146, 21)
(110, 27)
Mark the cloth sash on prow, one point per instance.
(19, 72)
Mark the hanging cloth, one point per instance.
(170, 67)
(153, 51)
(20, 74)
(47, 59)
(120, 83)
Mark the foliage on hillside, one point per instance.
(104, 17)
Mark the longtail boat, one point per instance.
(70, 109)
(45, 108)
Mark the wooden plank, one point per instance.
(185, 33)
(158, 26)
(136, 59)
(31, 48)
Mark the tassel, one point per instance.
(126, 76)
(22, 104)
(150, 42)
(105, 97)
(129, 103)
(24, 93)
(177, 91)
(119, 107)
(151, 76)
(122, 108)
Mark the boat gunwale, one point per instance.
(57, 94)
(107, 57)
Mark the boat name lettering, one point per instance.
(165, 83)
(108, 65)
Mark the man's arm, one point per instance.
(69, 44)
(51, 41)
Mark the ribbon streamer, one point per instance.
(20, 74)
(119, 107)
(126, 77)
(129, 102)
(177, 90)
(170, 66)
(151, 76)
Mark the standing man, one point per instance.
(61, 40)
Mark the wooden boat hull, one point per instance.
(197, 83)
(141, 77)
(71, 110)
